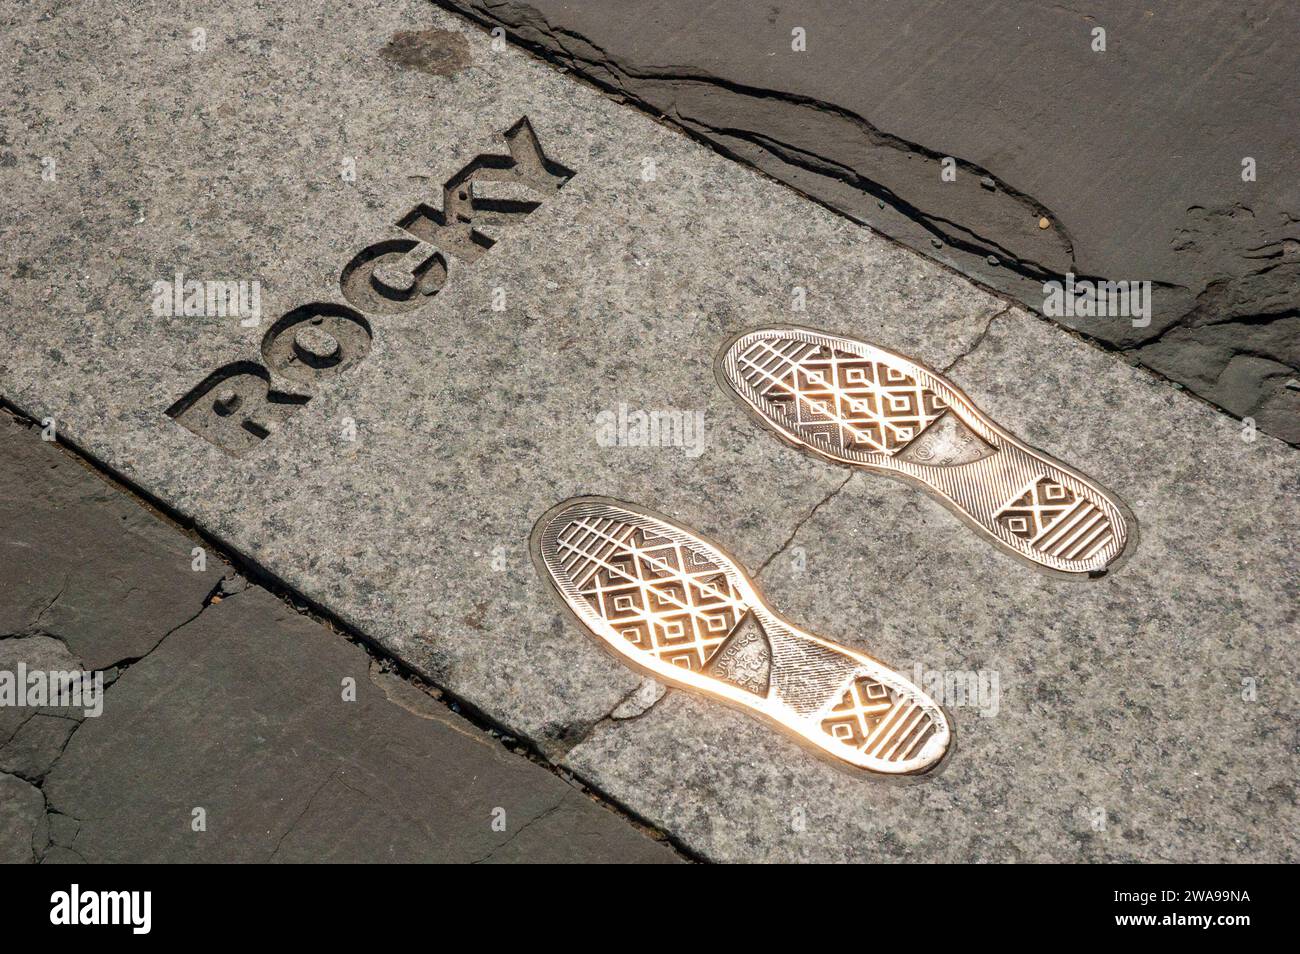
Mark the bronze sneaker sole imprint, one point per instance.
(854, 403)
(668, 603)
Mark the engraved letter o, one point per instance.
(317, 341)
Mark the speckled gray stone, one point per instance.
(1121, 700)
(470, 422)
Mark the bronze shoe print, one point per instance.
(674, 606)
(854, 403)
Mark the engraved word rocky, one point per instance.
(237, 406)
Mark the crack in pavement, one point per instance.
(799, 526)
(50, 605)
(117, 668)
(609, 716)
(581, 733)
(305, 808)
(979, 339)
(216, 595)
(39, 780)
(47, 759)
(522, 828)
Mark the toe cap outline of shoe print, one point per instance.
(675, 606)
(861, 405)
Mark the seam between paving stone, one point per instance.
(817, 165)
(573, 68)
(508, 739)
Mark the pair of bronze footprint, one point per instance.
(671, 604)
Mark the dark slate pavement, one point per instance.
(225, 705)
(1131, 157)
